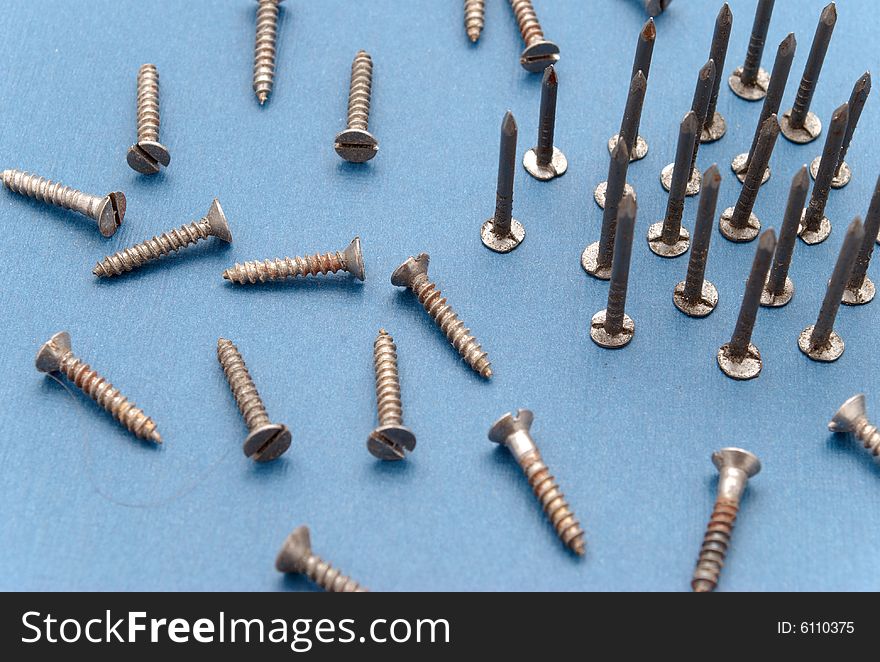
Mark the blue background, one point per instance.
(628, 433)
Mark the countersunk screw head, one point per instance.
(50, 354)
(218, 223)
(391, 442)
(267, 443)
(407, 272)
(110, 213)
(736, 458)
(510, 424)
(850, 412)
(146, 156)
(356, 145)
(354, 259)
(295, 551)
(539, 55)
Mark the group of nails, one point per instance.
(607, 259)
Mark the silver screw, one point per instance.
(545, 161)
(629, 128)
(350, 260)
(134, 257)
(108, 210)
(735, 467)
(539, 53)
(264, 48)
(851, 417)
(266, 441)
(147, 154)
(513, 432)
(779, 289)
(355, 144)
(860, 289)
(474, 14)
(596, 258)
(296, 557)
(391, 440)
(55, 355)
(668, 238)
(413, 274)
(714, 126)
(749, 81)
(502, 233)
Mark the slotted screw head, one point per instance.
(217, 222)
(356, 145)
(848, 414)
(510, 424)
(736, 458)
(354, 259)
(110, 213)
(295, 551)
(406, 273)
(539, 55)
(267, 443)
(391, 442)
(146, 156)
(52, 351)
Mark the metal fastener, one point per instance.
(820, 341)
(714, 125)
(350, 260)
(739, 358)
(612, 328)
(413, 274)
(860, 289)
(596, 258)
(296, 557)
(513, 432)
(391, 440)
(735, 467)
(632, 115)
(264, 48)
(750, 81)
(546, 161)
(629, 127)
(355, 144)
(656, 7)
(538, 53)
(474, 14)
(108, 210)
(147, 154)
(266, 441)
(214, 224)
(55, 355)
(779, 288)
(502, 233)
(799, 125)
(852, 418)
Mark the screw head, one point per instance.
(556, 168)
(825, 354)
(502, 243)
(810, 131)
(510, 424)
(693, 185)
(701, 308)
(539, 55)
(754, 92)
(841, 179)
(812, 237)
(354, 259)
(356, 145)
(146, 156)
(604, 339)
(407, 272)
(738, 165)
(267, 443)
(218, 223)
(849, 412)
(738, 235)
(296, 549)
(736, 367)
(110, 213)
(391, 442)
(51, 352)
(659, 247)
(736, 458)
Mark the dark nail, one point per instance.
(779, 288)
(632, 117)
(612, 328)
(860, 289)
(545, 161)
(669, 239)
(857, 100)
(750, 81)
(596, 258)
(815, 227)
(714, 126)
(644, 49)
(502, 233)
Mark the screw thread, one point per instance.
(242, 386)
(474, 13)
(359, 91)
(52, 193)
(286, 267)
(715, 545)
(136, 256)
(328, 577)
(264, 48)
(388, 401)
(148, 103)
(553, 501)
(868, 434)
(529, 26)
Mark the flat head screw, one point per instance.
(502, 233)
(699, 105)
(296, 557)
(413, 274)
(629, 127)
(350, 260)
(860, 289)
(749, 81)
(355, 144)
(391, 440)
(148, 154)
(851, 418)
(656, 7)
(778, 79)
(668, 238)
(799, 125)
(857, 100)
(779, 289)
(266, 441)
(820, 341)
(545, 161)
(474, 16)
(714, 125)
(735, 467)
(264, 48)
(612, 328)
(214, 224)
(739, 223)
(695, 296)
(538, 53)
(815, 226)
(512, 431)
(596, 258)
(55, 355)
(739, 358)
(108, 211)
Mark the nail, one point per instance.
(644, 49)
(544, 161)
(779, 289)
(596, 258)
(632, 117)
(860, 289)
(857, 100)
(714, 125)
(612, 328)
(749, 81)
(502, 233)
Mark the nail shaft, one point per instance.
(872, 227)
(644, 49)
(815, 59)
(800, 184)
(681, 174)
(760, 159)
(614, 317)
(815, 211)
(702, 236)
(506, 170)
(632, 114)
(718, 54)
(857, 100)
(547, 118)
(700, 102)
(748, 312)
(617, 169)
(757, 39)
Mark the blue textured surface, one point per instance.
(627, 433)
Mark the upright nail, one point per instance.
(860, 289)
(545, 161)
(779, 289)
(714, 125)
(857, 100)
(644, 49)
(612, 328)
(596, 258)
(502, 233)
(632, 118)
(749, 81)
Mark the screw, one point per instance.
(857, 100)
(775, 90)
(735, 467)
(820, 341)
(147, 154)
(779, 289)
(596, 258)
(350, 260)
(656, 7)
(264, 48)
(391, 440)
(502, 233)
(545, 161)
(799, 125)
(851, 417)
(612, 328)
(699, 105)
(55, 355)
(629, 127)
(134, 257)
(695, 296)
(714, 126)
(669, 238)
(539, 53)
(860, 289)
(815, 226)
(513, 432)
(749, 81)
(474, 13)
(108, 211)
(355, 144)
(739, 358)
(296, 557)
(739, 223)
(413, 274)
(265, 441)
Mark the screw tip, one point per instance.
(156, 437)
(578, 546)
(262, 97)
